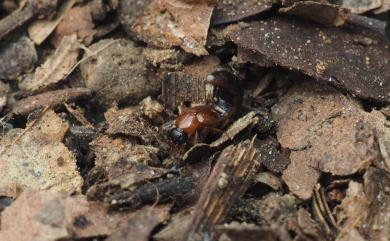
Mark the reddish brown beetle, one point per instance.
(200, 121)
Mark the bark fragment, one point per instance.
(328, 54)
(232, 174)
(189, 85)
(51, 98)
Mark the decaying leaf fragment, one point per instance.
(129, 182)
(330, 54)
(77, 20)
(51, 216)
(110, 151)
(129, 121)
(56, 67)
(325, 131)
(170, 23)
(40, 29)
(142, 224)
(35, 158)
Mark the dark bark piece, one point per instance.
(17, 57)
(50, 98)
(326, 53)
(157, 192)
(322, 13)
(232, 11)
(272, 157)
(231, 176)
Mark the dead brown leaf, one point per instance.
(35, 158)
(170, 23)
(56, 67)
(77, 20)
(326, 131)
(142, 224)
(50, 216)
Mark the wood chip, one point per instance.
(231, 176)
(189, 85)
